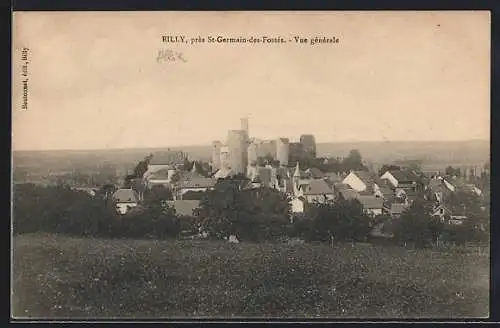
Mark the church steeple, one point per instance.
(296, 174)
(295, 179)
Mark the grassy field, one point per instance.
(62, 277)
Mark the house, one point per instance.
(314, 173)
(455, 184)
(162, 176)
(333, 177)
(383, 189)
(348, 193)
(372, 205)
(166, 159)
(281, 180)
(125, 199)
(401, 179)
(193, 184)
(299, 180)
(297, 205)
(405, 196)
(362, 182)
(437, 190)
(449, 214)
(189, 175)
(317, 190)
(396, 209)
(184, 207)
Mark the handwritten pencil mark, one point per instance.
(167, 55)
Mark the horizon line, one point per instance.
(208, 145)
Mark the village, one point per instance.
(388, 192)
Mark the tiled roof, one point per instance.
(370, 202)
(197, 182)
(436, 184)
(349, 194)
(304, 181)
(368, 178)
(318, 187)
(184, 207)
(189, 175)
(330, 184)
(332, 176)
(125, 196)
(315, 172)
(160, 174)
(397, 208)
(461, 184)
(386, 191)
(404, 176)
(341, 186)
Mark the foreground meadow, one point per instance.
(62, 277)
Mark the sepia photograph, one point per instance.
(250, 165)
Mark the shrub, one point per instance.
(62, 210)
(417, 227)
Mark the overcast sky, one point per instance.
(94, 81)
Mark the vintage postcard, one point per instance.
(239, 165)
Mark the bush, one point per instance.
(250, 214)
(343, 220)
(58, 209)
(63, 210)
(417, 227)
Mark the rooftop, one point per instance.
(125, 196)
(348, 194)
(197, 182)
(370, 202)
(318, 187)
(404, 176)
(397, 208)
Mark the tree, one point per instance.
(417, 226)
(107, 190)
(251, 214)
(142, 167)
(451, 171)
(477, 222)
(339, 220)
(127, 184)
(330, 165)
(353, 162)
(268, 159)
(388, 167)
(156, 195)
(193, 195)
(59, 209)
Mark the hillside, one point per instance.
(61, 277)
